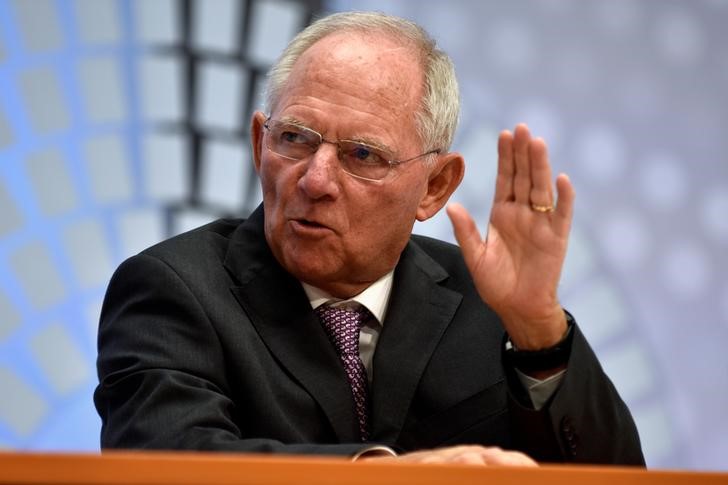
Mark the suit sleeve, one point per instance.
(162, 370)
(585, 421)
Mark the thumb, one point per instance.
(466, 233)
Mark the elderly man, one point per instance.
(321, 325)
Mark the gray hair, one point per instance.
(437, 117)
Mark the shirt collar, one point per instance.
(374, 298)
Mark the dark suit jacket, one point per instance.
(207, 343)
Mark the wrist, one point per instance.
(536, 333)
(544, 361)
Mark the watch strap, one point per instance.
(543, 359)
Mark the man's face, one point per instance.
(327, 228)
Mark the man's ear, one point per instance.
(256, 137)
(444, 178)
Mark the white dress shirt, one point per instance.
(375, 299)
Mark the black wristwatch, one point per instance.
(543, 359)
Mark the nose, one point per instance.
(321, 176)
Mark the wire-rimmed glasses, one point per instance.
(296, 142)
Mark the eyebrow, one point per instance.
(364, 141)
(372, 144)
(294, 121)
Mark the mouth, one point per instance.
(307, 223)
(309, 226)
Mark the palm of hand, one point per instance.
(516, 268)
(519, 263)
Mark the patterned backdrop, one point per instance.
(124, 121)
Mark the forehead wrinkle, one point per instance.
(389, 100)
(392, 108)
(379, 68)
(380, 80)
(363, 138)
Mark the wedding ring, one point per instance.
(542, 208)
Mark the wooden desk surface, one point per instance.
(154, 468)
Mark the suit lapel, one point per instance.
(419, 312)
(278, 308)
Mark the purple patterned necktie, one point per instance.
(342, 326)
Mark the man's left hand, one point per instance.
(516, 268)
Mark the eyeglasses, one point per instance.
(296, 142)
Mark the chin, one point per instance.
(311, 267)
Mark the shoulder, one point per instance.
(442, 253)
(443, 262)
(436, 246)
(194, 256)
(208, 241)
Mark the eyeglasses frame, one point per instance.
(322, 140)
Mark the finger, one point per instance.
(522, 179)
(542, 193)
(506, 168)
(442, 455)
(473, 457)
(514, 458)
(466, 232)
(497, 456)
(565, 205)
(461, 454)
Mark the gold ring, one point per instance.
(542, 208)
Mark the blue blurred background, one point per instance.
(125, 121)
